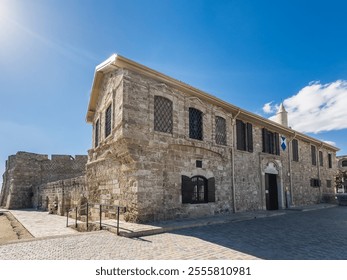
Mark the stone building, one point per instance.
(34, 180)
(165, 149)
(341, 178)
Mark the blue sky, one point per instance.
(253, 54)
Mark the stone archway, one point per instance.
(272, 184)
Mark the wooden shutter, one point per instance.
(211, 190)
(330, 161)
(276, 144)
(249, 137)
(265, 141)
(240, 134)
(295, 150)
(187, 189)
(313, 155)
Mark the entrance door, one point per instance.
(271, 192)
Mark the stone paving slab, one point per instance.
(137, 230)
(42, 224)
(296, 235)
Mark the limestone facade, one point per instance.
(341, 178)
(148, 169)
(166, 150)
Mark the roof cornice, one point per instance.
(116, 61)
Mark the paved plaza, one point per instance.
(318, 234)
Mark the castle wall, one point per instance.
(64, 194)
(25, 171)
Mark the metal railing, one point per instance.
(102, 208)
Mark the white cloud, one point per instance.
(318, 107)
(332, 143)
(267, 108)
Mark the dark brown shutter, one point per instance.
(277, 143)
(249, 137)
(187, 189)
(211, 190)
(330, 161)
(295, 150)
(240, 135)
(313, 155)
(265, 144)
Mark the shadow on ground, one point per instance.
(311, 235)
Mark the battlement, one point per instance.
(24, 171)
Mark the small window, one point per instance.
(295, 148)
(162, 114)
(199, 163)
(221, 136)
(330, 162)
(195, 124)
(344, 163)
(96, 134)
(320, 158)
(198, 190)
(328, 183)
(108, 121)
(313, 155)
(244, 136)
(315, 183)
(271, 142)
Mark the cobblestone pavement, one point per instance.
(319, 234)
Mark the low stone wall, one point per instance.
(60, 195)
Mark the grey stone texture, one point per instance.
(140, 168)
(28, 176)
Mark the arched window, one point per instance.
(162, 114)
(221, 136)
(195, 124)
(198, 190)
(344, 163)
(108, 121)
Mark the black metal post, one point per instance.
(117, 220)
(76, 218)
(87, 215)
(100, 216)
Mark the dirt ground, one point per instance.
(11, 229)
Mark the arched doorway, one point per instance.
(271, 187)
(271, 191)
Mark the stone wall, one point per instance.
(25, 171)
(65, 194)
(142, 169)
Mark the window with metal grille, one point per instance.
(198, 189)
(162, 114)
(221, 135)
(315, 183)
(330, 162)
(329, 184)
(96, 134)
(108, 121)
(320, 158)
(344, 163)
(244, 136)
(295, 148)
(313, 155)
(195, 124)
(271, 143)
